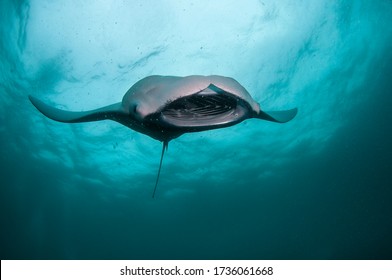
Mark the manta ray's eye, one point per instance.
(133, 109)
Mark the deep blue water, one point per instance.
(318, 187)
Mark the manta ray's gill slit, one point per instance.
(202, 101)
(217, 99)
(198, 113)
(211, 110)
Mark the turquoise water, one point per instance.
(318, 187)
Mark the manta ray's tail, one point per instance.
(112, 112)
(164, 147)
(278, 116)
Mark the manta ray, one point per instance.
(165, 107)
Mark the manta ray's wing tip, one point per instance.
(35, 101)
(52, 112)
(278, 116)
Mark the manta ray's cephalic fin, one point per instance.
(111, 112)
(164, 147)
(278, 116)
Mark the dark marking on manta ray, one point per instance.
(165, 107)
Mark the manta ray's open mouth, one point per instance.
(207, 107)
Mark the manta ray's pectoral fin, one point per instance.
(278, 116)
(112, 112)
